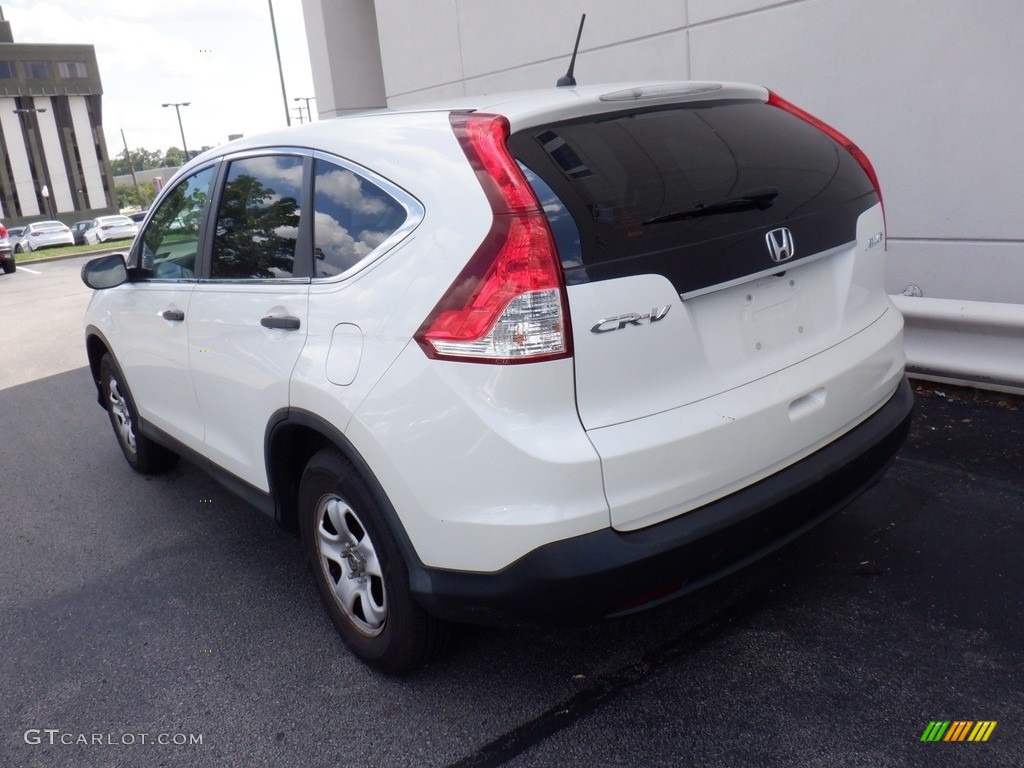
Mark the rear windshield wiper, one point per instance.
(758, 200)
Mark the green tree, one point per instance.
(130, 197)
(174, 157)
(140, 159)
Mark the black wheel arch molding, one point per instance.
(96, 345)
(292, 437)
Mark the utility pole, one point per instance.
(131, 165)
(177, 108)
(307, 99)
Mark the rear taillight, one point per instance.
(777, 101)
(3, 231)
(508, 305)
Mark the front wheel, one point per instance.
(359, 570)
(142, 454)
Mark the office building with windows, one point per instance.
(53, 157)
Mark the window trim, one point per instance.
(138, 275)
(304, 243)
(414, 213)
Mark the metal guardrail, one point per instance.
(972, 343)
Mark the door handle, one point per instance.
(173, 314)
(284, 322)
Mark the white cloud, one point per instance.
(345, 188)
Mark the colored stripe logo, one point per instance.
(958, 730)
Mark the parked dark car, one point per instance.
(78, 230)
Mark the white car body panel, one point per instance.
(153, 352)
(497, 466)
(664, 465)
(241, 370)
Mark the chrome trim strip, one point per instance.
(773, 270)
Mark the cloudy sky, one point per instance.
(216, 54)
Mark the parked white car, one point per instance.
(110, 228)
(543, 357)
(44, 234)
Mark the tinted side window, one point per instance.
(258, 221)
(170, 241)
(352, 217)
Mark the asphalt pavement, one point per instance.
(162, 622)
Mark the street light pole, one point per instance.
(280, 69)
(49, 203)
(177, 108)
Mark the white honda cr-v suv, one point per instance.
(533, 357)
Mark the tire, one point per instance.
(17, 247)
(10, 265)
(141, 453)
(359, 570)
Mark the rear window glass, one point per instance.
(690, 192)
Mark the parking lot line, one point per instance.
(33, 271)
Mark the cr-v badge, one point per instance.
(621, 321)
(780, 244)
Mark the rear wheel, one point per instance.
(9, 265)
(360, 572)
(142, 454)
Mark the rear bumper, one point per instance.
(610, 572)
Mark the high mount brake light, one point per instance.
(858, 154)
(508, 305)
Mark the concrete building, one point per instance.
(54, 157)
(926, 88)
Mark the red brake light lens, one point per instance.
(508, 304)
(858, 154)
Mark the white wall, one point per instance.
(930, 89)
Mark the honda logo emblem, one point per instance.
(780, 244)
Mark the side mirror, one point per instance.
(105, 272)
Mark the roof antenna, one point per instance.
(567, 80)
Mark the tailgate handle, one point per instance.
(808, 404)
(284, 322)
(173, 314)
